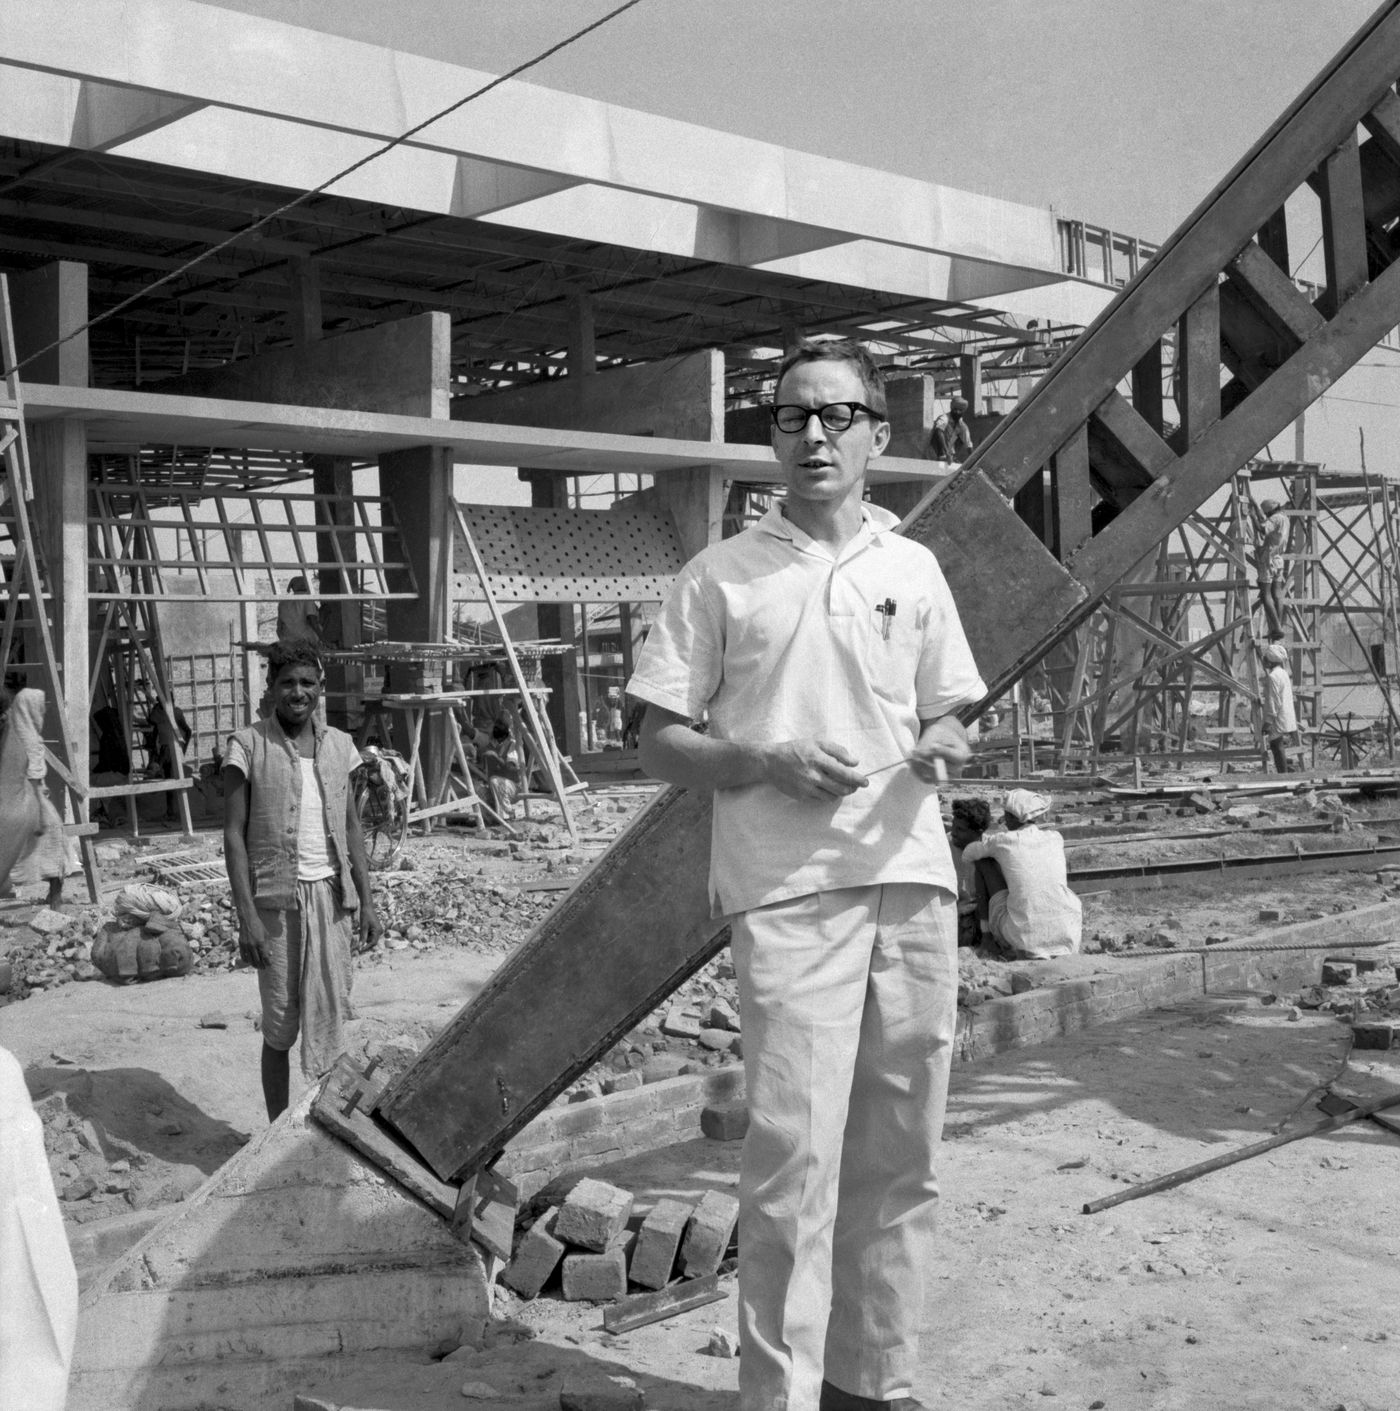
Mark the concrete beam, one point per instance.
(288, 104)
(121, 421)
(84, 113)
(296, 1250)
(678, 397)
(400, 368)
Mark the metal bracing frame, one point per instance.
(1199, 593)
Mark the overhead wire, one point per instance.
(324, 186)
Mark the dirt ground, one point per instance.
(1269, 1284)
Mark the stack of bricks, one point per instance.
(598, 1248)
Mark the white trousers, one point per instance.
(849, 1006)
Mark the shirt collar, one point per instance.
(876, 522)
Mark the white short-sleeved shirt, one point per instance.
(1280, 716)
(778, 640)
(1043, 915)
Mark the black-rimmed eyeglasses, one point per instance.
(835, 416)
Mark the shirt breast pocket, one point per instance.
(892, 657)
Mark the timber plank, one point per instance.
(1343, 225)
(337, 1108)
(1274, 295)
(611, 950)
(1123, 448)
(1198, 366)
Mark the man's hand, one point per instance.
(942, 740)
(370, 928)
(252, 942)
(812, 769)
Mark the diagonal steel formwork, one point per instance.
(1091, 433)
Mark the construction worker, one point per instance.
(827, 654)
(297, 868)
(1280, 717)
(950, 439)
(1025, 907)
(1270, 540)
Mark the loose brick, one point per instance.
(725, 1121)
(679, 1024)
(590, 1392)
(708, 1233)
(723, 1015)
(1337, 972)
(1363, 964)
(599, 1278)
(662, 1067)
(657, 1242)
(537, 1256)
(621, 1082)
(717, 1040)
(1379, 1034)
(592, 1215)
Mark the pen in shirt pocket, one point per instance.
(887, 610)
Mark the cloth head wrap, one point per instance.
(1023, 805)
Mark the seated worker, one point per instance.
(950, 438)
(165, 742)
(299, 617)
(503, 771)
(1280, 718)
(971, 818)
(1024, 902)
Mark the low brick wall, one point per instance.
(1019, 1021)
(604, 1129)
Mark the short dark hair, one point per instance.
(975, 813)
(843, 350)
(297, 653)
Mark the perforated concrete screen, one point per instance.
(571, 556)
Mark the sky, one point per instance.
(1124, 113)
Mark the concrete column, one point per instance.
(582, 350)
(418, 484)
(305, 280)
(46, 304)
(58, 454)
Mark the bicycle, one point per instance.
(381, 791)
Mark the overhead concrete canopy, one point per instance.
(149, 129)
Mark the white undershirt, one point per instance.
(313, 855)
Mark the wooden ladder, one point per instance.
(27, 602)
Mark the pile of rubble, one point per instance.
(1362, 988)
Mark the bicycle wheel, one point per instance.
(383, 820)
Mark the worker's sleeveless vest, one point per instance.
(274, 809)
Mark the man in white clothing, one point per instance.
(1280, 716)
(1024, 898)
(827, 654)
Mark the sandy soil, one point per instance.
(1266, 1285)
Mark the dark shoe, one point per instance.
(834, 1399)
